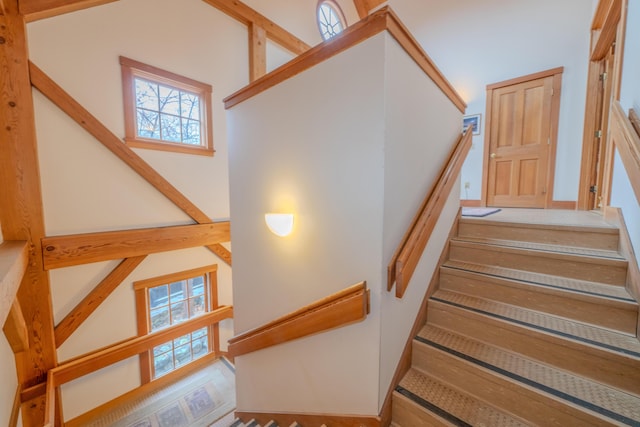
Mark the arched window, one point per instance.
(330, 19)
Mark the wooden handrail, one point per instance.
(627, 140)
(102, 358)
(14, 256)
(405, 259)
(383, 19)
(346, 306)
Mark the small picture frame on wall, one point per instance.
(473, 121)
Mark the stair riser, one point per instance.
(408, 414)
(582, 238)
(618, 316)
(613, 369)
(605, 271)
(540, 409)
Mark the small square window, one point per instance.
(165, 111)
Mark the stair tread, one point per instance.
(587, 334)
(575, 389)
(547, 280)
(574, 250)
(547, 218)
(451, 404)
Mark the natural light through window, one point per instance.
(330, 19)
(165, 111)
(174, 305)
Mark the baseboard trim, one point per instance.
(285, 419)
(563, 204)
(469, 203)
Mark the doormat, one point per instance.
(479, 212)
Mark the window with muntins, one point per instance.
(170, 300)
(330, 19)
(165, 111)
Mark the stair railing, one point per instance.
(626, 138)
(409, 251)
(339, 309)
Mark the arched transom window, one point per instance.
(330, 19)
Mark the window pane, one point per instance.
(158, 296)
(169, 100)
(199, 333)
(191, 132)
(163, 348)
(200, 347)
(163, 364)
(170, 128)
(146, 95)
(159, 318)
(196, 286)
(182, 340)
(148, 124)
(179, 312)
(183, 355)
(190, 106)
(178, 291)
(196, 306)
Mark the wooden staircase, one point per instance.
(253, 423)
(531, 324)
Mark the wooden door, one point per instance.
(521, 137)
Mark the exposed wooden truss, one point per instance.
(39, 9)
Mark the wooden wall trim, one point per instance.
(382, 20)
(285, 419)
(94, 361)
(607, 33)
(14, 256)
(563, 204)
(600, 14)
(243, 13)
(361, 8)
(15, 409)
(75, 249)
(346, 306)
(635, 120)
(91, 124)
(627, 141)
(409, 251)
(92, 301)
(40, 9)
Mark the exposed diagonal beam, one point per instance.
(361, 8)
(243, 13)
(92, 301)
(39, 9)
(76, 249)
(91, 124)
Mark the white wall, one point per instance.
(622, 194)
(312, 145)
(479, 43)
(352, 156)
(8, 380)
(421, 126)
(87, 189)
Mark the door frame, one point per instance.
(607, 29)
(556, 73)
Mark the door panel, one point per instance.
(519, 138)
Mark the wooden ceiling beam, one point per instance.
(361, 8)
(248, 16)
(32, 10)
(76, 249)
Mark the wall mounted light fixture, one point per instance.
(280, 224)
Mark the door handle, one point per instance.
(493, 155)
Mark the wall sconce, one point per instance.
(280, 224)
